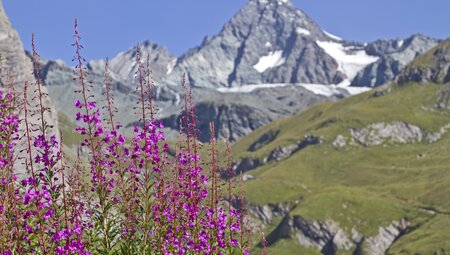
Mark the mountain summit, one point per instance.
(267, 41)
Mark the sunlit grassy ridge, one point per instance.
(356, 186)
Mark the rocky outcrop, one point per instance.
(265, 139)
(434, 137)
(382, 133)
(247, 164)
(281, 153)
(434, 66)
(378, 73)
(379, 244)
(330, 239)
(266, 213)
(327, 236)
(339, 142)
(396, 132)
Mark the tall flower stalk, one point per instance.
(137, 199)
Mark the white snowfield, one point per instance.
(349, 59)
(302, 31)
(334, 37)
(274, 59)
(318, 89)
(279, 1)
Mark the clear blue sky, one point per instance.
(111, 26)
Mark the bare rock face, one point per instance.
(266, 138)
(284, 152)
(267, 41)
(396, 132)
(161, 62)
(266, 213)
(380, 133)
(237, 114)
(339, 142)
(329, 238)
(247, 164)
(379, 244)
(20, 67)
(12, 52)
(434, 66)
(394, 55)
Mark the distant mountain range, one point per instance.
(270, 60)
(274, 42)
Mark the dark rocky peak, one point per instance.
(433, 66)
(417, 42)
(267, 41)
(393, 55)
(20, 68)
(161, 61)
(273, 20)
(383, 47)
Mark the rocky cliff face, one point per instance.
(268, 41)
(327, 236)
(15, 61)
(434, 66)
(161, 62)
(393, 55)
(271, 41)
(237, 114)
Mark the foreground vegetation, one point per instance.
(118, 195)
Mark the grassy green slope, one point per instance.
(356, 186)
(428, 59)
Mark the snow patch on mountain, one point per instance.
(318, 89)
(250, 88)
(273, 59)
(350, 60)
(302, 31)
(331, 90)
(334, 37)
(171, 65)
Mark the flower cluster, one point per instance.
(123, 195)
(10, 228)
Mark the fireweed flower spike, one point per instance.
(123, 195)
